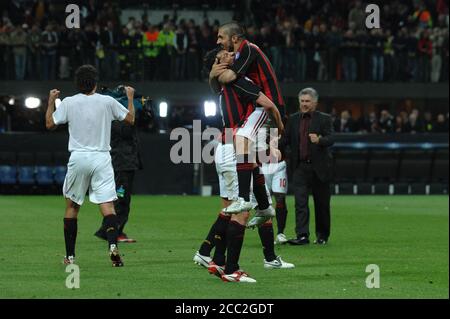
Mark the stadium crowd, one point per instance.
(305, 40)
(403, 122)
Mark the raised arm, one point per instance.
(216, 70)
(49, 122)
(272, 109)
(129, 119)
(227, 76)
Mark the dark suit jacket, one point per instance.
(321, 158)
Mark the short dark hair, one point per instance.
(86, 78)
(233, 28)
(209, 59)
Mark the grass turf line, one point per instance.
(406, 236)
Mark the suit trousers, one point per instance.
(305, 182)
(124, 185)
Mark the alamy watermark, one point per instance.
(73, 19)
(73, 279)
(373, 280)
(373, 19)
(199, 145)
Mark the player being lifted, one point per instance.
(250, 62)
(236, 102)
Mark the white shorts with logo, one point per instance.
(225, 160)
(276, 177)
(93, 171)
(254, 129)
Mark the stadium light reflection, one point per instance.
(210, 108)
(11, 101)
(163, 109)
(32, 102)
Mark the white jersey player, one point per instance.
(89, 116)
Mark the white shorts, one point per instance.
(254, 130)
(225, 160)
(93, 171)
(276, 177)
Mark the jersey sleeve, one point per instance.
(119, 112)
(246, 89)
(246, 57)
(60, 116)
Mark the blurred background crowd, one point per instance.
(404, 122)
(305, 40)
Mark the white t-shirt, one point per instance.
(89, 118)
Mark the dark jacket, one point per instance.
(125, 147)
(321, 158)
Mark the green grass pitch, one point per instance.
(406, 236)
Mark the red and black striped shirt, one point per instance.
(253, 63)
(237, 102)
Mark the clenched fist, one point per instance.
(53, 95)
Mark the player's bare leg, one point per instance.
(112, 232)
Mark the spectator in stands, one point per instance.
(166, 38)
(405, 119)
(400, 126)
(441, 124)
(411, 47)
(109, 39)
(34, 52)
(321, 52)
(4, 50)
(402, 24)
(18, 43)
(377, 58)
(302, 63)
(423, 16)
(356, 17)
(193, 54)
(276, 43)
(66, 50)
(362, 38)
(181, 45)
(415, 122)
(206, 40)
(425, 53)
(428, 123)
(437, 40)
(368, 123)
(125, 56)
(289, 64)
(386, 122)
(349, 51)
(333, 42)
(401, 54)
(49, 46)
(345, 123)
(91, 44)
(151, 49)
(390, 68)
